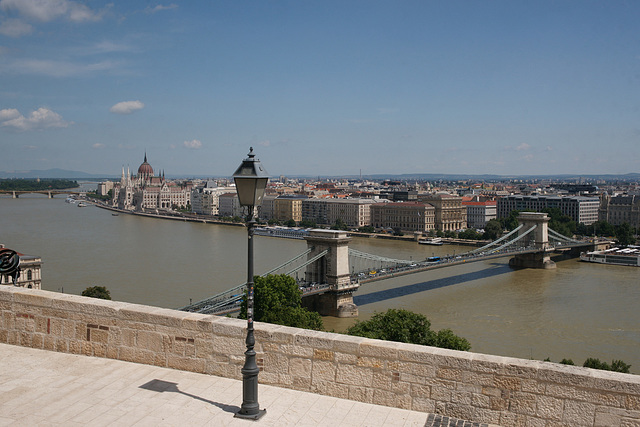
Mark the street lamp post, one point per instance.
(251, 180)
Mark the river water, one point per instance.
(575, 311)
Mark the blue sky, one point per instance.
(321, 87)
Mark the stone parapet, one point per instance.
(483, 388)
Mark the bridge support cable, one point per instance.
(511, 242)
(506, 236)
(291, 261)
(310, 261)
(360, 254)
(235, 294)
(561, 237)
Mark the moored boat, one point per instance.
(616, 256)
(436, 241)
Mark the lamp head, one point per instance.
(251, 180)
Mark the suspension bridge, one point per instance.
(331, 271)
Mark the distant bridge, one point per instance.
(15, 194)
(328, 282)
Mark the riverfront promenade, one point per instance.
(45, 388)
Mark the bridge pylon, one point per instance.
(539, 239)
(332, 269)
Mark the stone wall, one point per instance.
(478, 387)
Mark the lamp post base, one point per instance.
(254, 417)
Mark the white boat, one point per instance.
(286, 232)
(436, 241)
(82, 205)
(616, 256)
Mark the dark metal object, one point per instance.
(251, 181)
(10, 264)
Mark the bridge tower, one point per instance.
(331, 269)
(538, 238)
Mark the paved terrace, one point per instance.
(44, 388)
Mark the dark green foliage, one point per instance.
(492, 230)
(567, 362)
(620, 366)
(35, 184)
(560, 222)
(97, 292)
(616, 365)
(405, 326)
(625, 234)
(277, 299)
(290, 223)
(367, 229)
(470, 234)
(445, 338)
(308, 224)
(340, 225)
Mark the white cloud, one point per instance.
(126, 107)
(42, 118)
(98, 146)
(193, 144)
(49, 10)
(523, 147)
(15, 28)
(160, 8)
(265, 143)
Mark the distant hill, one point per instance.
(49, 173)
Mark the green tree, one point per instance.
(624, 234)
(305, 223)
(290, 223)
(470, 234)
(278, 300)
(340, 225)
(97, 292)
(367, 229)
(405, 326)
(567, 362)
(560, 222)
(492, 230)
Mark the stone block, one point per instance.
(370, 362)
(484, 415)
(153, 315)
(299, 367)
(578, 413)
(330, 388)
(447, 373)
(32, 297)
(422, 404)
(186, 363)
(276, 363)
(507, 383)
(323, 354)
(322, 371)
(347, 344)
(353, 375)
(523, 403)
(549, 408)
(361, 394)
(228, 327)
(314, 339)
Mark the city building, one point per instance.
(353, 212)
(229, 205)
(30, 272)
(288, 207)
(619, 209)
(145, 191)
(480, 213)
(579, 208)
(405, 216)
(450, 215)
(205, 199)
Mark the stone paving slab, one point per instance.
(43, 388)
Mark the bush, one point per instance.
(409, 327)
(97, 292)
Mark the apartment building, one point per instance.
(579, 208)
(406, 216)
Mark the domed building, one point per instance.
(145, 191)
(145, 170)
